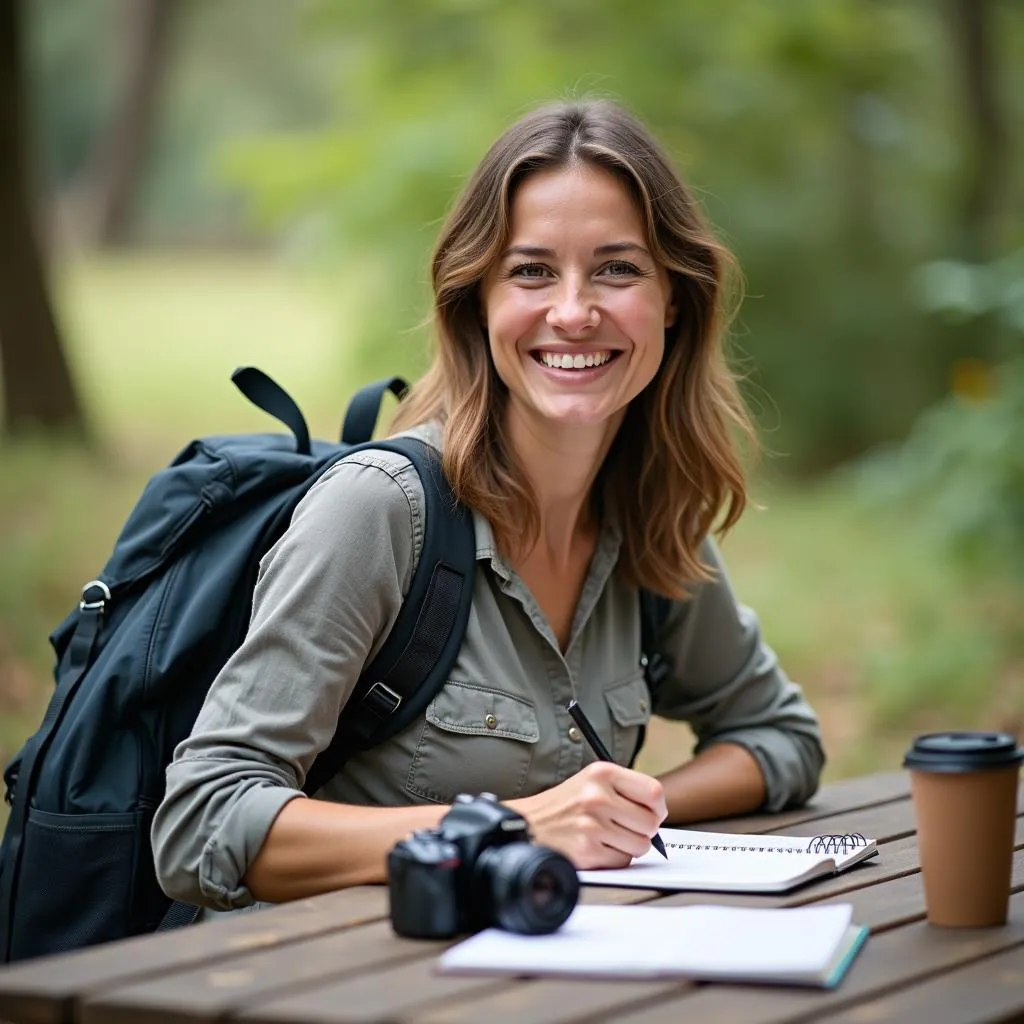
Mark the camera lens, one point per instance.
(530, 889)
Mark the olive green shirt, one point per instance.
(327, 595)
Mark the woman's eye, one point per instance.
(620, 268)
(529, 271)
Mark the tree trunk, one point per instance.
(978, 232)
(106, 200)
(972, 36)
(38, 391)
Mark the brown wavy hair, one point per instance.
(674, 470)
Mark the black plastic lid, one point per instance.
(963, 752)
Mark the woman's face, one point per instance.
(576, 307)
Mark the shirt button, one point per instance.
(491, 722)
(574, 734)
(643, 705)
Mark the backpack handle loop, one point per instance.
(268, 395)
(363, 410)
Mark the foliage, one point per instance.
(815, 134)
(961, 470)
(830, 144)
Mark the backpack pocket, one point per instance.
(59, 909)
(474, 740)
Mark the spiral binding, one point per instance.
(836, 843)
(832, 843)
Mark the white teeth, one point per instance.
(565, 361)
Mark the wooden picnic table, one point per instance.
(335, 958)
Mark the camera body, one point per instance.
(478, 868)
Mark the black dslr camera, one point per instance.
(478, 868)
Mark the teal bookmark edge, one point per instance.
(844, 965)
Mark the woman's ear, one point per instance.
(672, 306)
(671, 312)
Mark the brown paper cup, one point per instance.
(965, 828)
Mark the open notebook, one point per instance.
(718, 862)
(802, 946)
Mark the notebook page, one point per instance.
(734, 870)
(596, 940)
(725, 941)
(699, 941)
(679, 838)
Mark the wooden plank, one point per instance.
(883, 822)
(209, 993)
(831, 808)
(892, 961)
(547, 1001)
(834, 798)
(43, 991)
(985, 991)
(416, 987)
(610, 894)
(372, 997)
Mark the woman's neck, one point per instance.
(561, 465)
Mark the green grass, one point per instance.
(154, 340)
(887, 636)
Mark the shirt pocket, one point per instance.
(474, 740)
(629, 706)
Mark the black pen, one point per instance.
(590, 735)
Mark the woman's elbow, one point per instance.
(811, 759)
(175, 866)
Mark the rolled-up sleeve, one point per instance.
(728, 685)
(327, 594)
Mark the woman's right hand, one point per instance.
(602, 817)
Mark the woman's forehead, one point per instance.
(575, 202)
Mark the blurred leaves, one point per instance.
(962, 467)
(966, 291)
(961, 470)
(829, 143)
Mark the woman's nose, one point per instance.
(573, 310)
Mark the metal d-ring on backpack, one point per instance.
(136, 658)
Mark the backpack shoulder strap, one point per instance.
(654, 611)
(415, 660)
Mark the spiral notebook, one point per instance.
(800, 946)
(719, 862)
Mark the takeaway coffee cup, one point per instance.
(964, 788)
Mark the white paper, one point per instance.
(741, 863)
(711, 942)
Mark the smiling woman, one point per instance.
(580, 404)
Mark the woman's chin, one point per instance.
(577, 411)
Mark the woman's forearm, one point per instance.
(315, 847)
(722, 780)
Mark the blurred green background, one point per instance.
(252, 181)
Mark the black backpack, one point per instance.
(136, 658)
